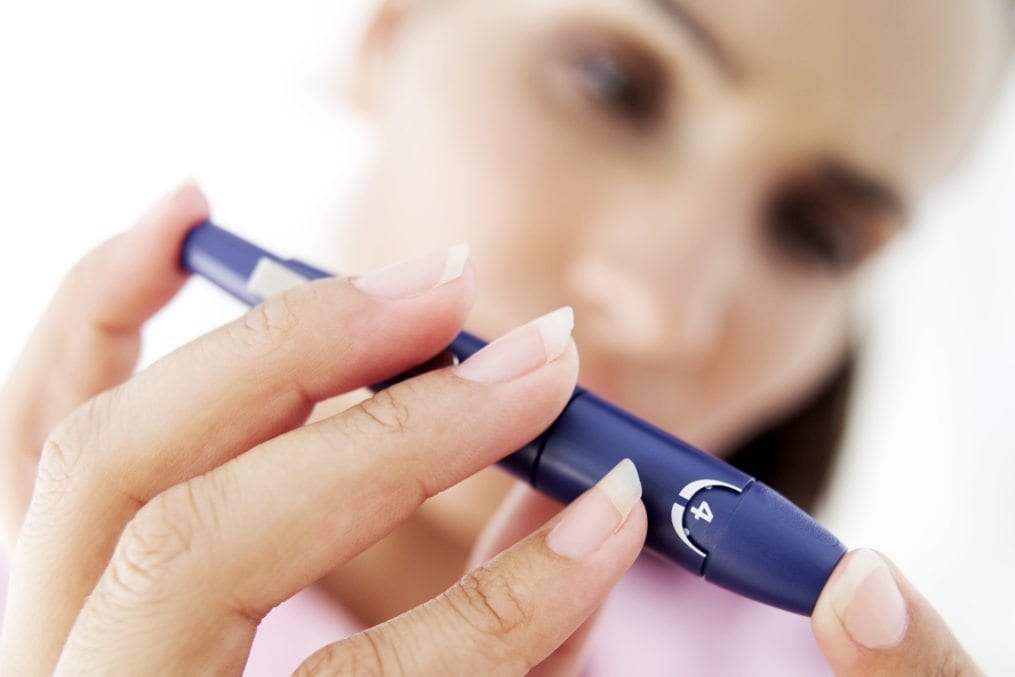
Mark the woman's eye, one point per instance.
(814, 232)
(629, 86)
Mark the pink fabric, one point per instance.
(660, 620)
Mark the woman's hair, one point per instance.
(796, 455)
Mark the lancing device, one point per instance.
(703, 514)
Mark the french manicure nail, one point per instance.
(521, 350)
(595, 515)
(415, 276)
(868, 602)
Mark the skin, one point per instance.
(558, 201)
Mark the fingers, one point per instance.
(224, 541)
(507, 616)
(522, 512)
(88, 339)
(207, 402)
(870, 621)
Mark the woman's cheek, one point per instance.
(800, 338)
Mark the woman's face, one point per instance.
(700, 180)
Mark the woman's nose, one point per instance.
(672, 306)
(663, 269)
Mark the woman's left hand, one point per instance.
(869, 621)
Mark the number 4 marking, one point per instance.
(703, 512)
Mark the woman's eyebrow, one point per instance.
(854, 184)
(702, 37)
(862, 189)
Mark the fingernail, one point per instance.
(521, 350)
(417, 275)
(151, 217)
(597, 514)
(868, 602)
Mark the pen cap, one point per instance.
(770, 550)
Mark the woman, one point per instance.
(702, 184)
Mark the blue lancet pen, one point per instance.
(703, 514)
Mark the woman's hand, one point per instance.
(171, 512)
(88, 340)
(870, 621)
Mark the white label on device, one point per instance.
(271, 277)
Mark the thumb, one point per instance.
(510, 614)
(521, 513)
(870, 620)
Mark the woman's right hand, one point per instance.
(170, 512)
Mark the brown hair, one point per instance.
(796, 455)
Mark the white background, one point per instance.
(107, 104)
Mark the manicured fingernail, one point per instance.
(521, 350)
(597, 514)
(868, 602)
(416, 276)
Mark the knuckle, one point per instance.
(61, 460)
(56, 468)
(492, 604)
(383, 414)
(158, 544)
(359, 655)
(473, 628)
(52, 489)
(950, 663)
(268, 326)
(68, 465)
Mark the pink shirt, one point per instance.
(660, 620)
